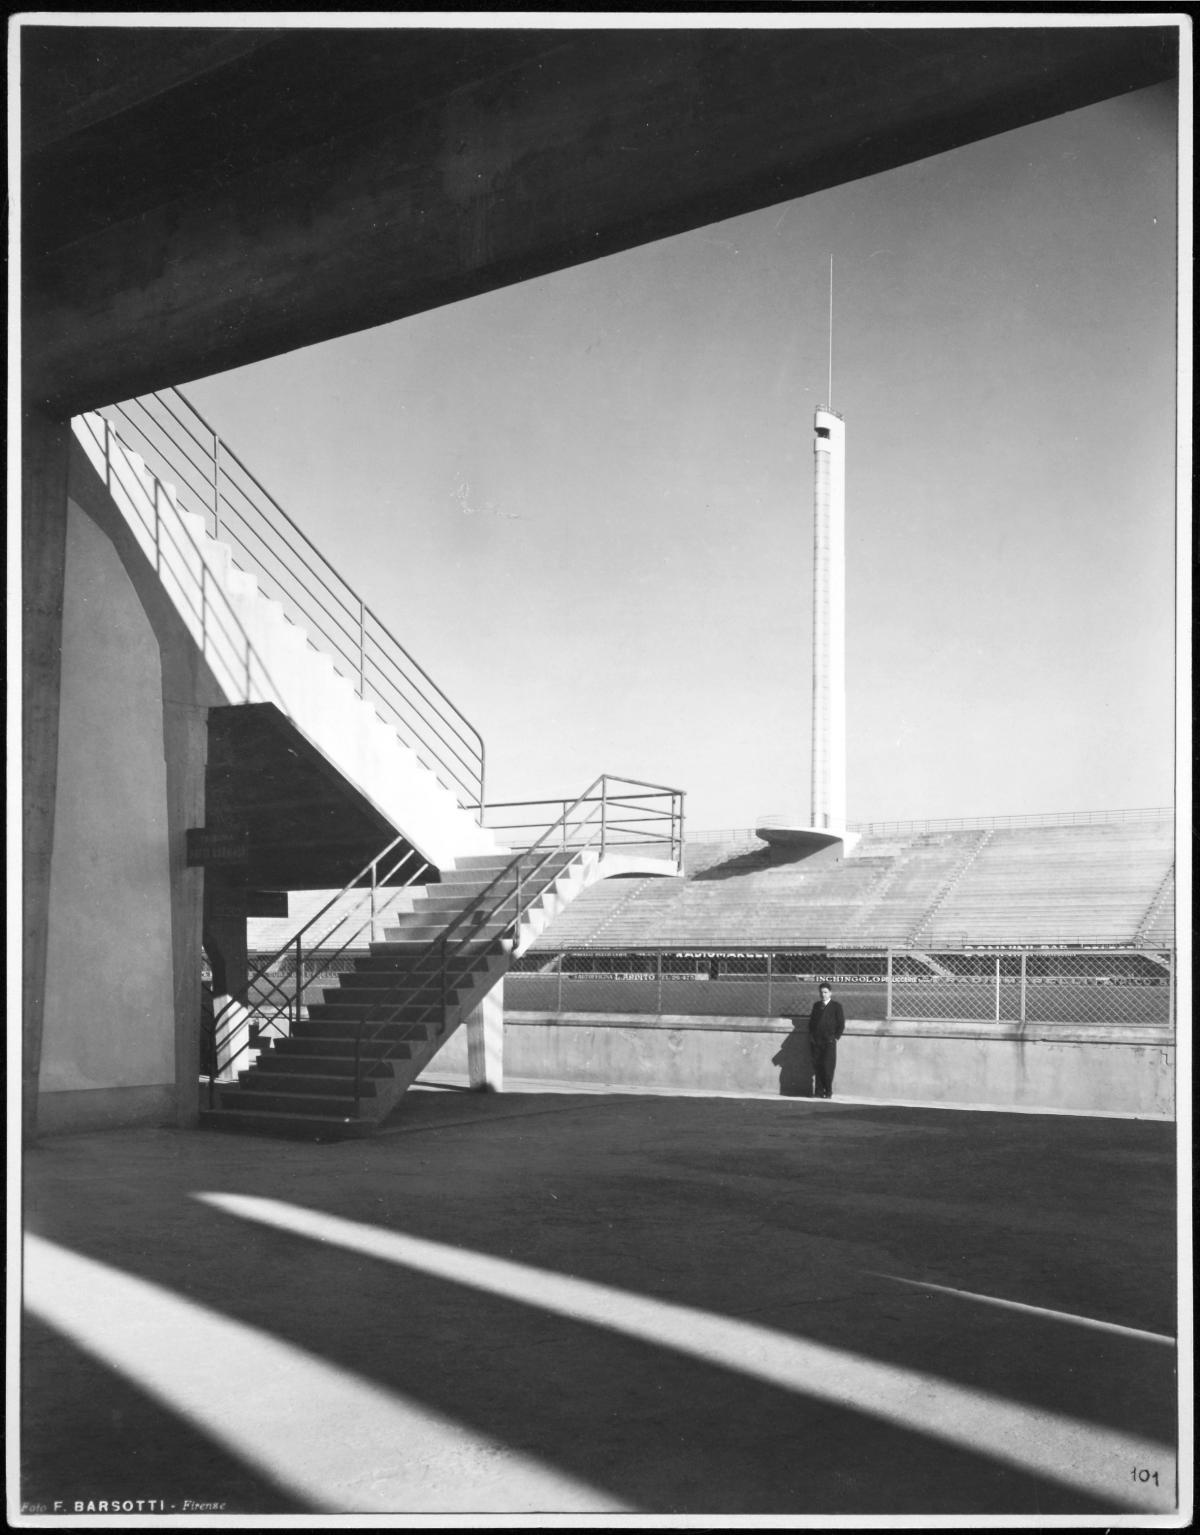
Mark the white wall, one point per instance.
(110, 985)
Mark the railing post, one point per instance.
(517, 904)
(770, 973)
(563, 819)
(157, 531)
(561, 959)
(357, 1059)
(216, 485)
(658, 981)
(1171, 988)
(299, 988)
(888, 1004)
(362, 648)
(603, 810)
(997, 1007)
(1024, 981)
(374, 878)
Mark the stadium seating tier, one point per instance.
(1100, 883)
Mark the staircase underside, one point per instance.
(304, 826)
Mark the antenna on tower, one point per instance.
(830, 395)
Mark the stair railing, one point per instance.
(211, 481)
(274, 1004)
(559, 847)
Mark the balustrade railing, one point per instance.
(606, 819)
(636, 817)
(211, 481)
(274, 998)
(613, 816)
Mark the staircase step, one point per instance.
(398, 979)
(295, 1064)
(458, 879)
(325, 1045)
(289, 1102)
(421, 934)
(323, 1085)
(424, 953)
(370, 987)
(476, 862)
(340, 1019)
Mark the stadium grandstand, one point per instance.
(1025, 918)
(1095, 879)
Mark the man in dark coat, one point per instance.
(826, 1025)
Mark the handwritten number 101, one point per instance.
(1142, 1475)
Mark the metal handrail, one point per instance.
(339, 620)
(264, 969)
(515, 880)
(230, 1013)
(166, 543)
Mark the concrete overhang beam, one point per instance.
(329, 181)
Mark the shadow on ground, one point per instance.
(800, 1219)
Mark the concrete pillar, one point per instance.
(185, 737)
(225, 905)
(188, 692)
(485, 1042)
(45, 446)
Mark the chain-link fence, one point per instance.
(1110, 986)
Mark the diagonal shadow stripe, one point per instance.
(1035, 1441)
(323, 1433)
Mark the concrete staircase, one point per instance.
(1158, 924)
(257, 653)
(344, 1062)
(389, 1010)
(930, 916)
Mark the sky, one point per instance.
(584, 502)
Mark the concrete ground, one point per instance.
(548, 1302)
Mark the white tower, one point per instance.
(829, 622)
(827, 821)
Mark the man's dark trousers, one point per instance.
(824, 1059)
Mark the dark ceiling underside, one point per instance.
(195, 200)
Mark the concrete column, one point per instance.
(189, 690)
(185, 737)
(45, 445)
(485, 1042)
(225, 934)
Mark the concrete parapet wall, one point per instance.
(1083, 1068)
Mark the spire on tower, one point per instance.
(829, 396)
